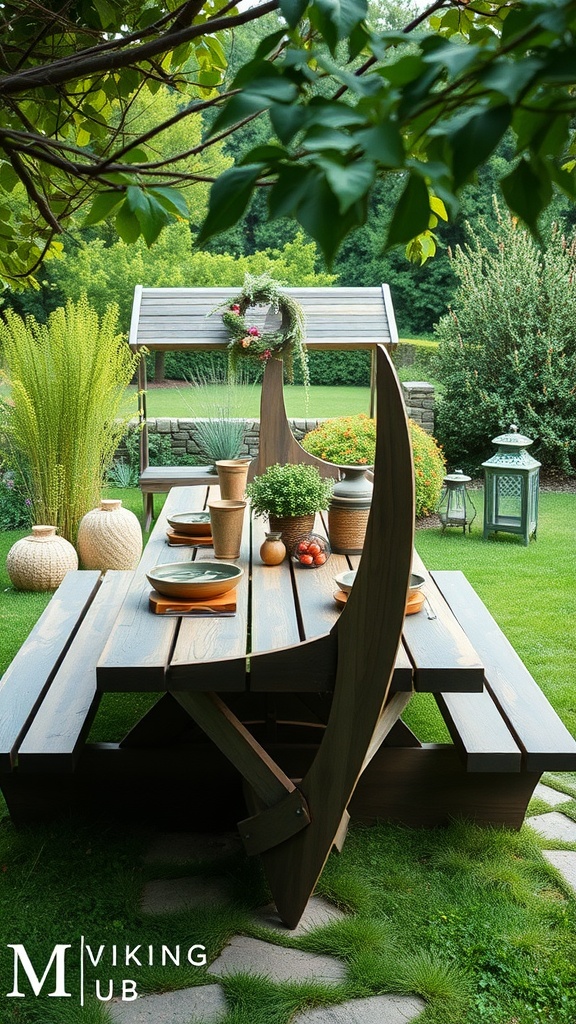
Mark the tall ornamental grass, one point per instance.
(62, 424)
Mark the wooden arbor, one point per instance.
(180, 319)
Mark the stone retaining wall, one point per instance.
(419, 398)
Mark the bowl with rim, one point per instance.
(345, 580)
(194, 581)
(196, 524)
(416, 582)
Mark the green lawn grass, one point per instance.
(473, 920)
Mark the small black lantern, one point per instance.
(456, 507)
(512, 484)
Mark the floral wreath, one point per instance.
(248, 341)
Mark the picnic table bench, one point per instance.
(290, 707)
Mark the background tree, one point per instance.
(507, 350)
(428, 107)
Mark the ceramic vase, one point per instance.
(227, 520)
(232, 474)
(273, 549)
(40, 561)
(109, 537)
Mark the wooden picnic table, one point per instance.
(291, 707)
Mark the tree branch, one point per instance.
(95, 60)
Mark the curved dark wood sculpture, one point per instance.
(367, 636)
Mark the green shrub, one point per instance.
(507, 351)
(352, 439)
(429, 469)
(67, 379)
(347, 440)
(15, 507)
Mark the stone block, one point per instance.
(252, 956)
(205, 1004)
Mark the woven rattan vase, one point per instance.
(109, 537)
(40, 561)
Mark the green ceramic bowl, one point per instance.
(195, 581)
(197, 524)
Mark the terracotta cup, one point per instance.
(232, 475)
(227, 518)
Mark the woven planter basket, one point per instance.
(40, 561)
(291, 528)
(109, 537)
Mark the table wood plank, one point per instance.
(443, 657)
(210, 653)
(137, 653)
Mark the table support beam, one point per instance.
(267, 780)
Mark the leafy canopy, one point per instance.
(346, 104)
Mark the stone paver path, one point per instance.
(206, 1003)
(318, 913)
(554, 825)
(551, 796)
(374, 1010)
(278, 963)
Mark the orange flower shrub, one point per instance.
(351, 440)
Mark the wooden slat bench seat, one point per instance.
(542, 739)
(503, 738)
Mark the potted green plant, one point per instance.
(290, 496)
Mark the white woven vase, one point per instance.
(40, 561)
(109, 537)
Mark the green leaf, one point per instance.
(332, 114)
(293, 10)
(151, 215)
(236, 109)
(320, 138)
(383, 143)
(8, 177)
(127, 224)
(138, 155)
(171, 199)
(349, 182)
(103, 205)
(476, 140)
(287, 120)
(511, 78)
(320, 216)
(264, 155)
(229, 197)
(527, 191)
(288, 190)
(451, 54)
(412, 212)
(344, 15)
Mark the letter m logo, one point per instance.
(21, 959)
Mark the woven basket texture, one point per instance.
(347, 529)
(109, 537)
(292, 528)
(40, 561)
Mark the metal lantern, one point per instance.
(511, 488)
(456, 507)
